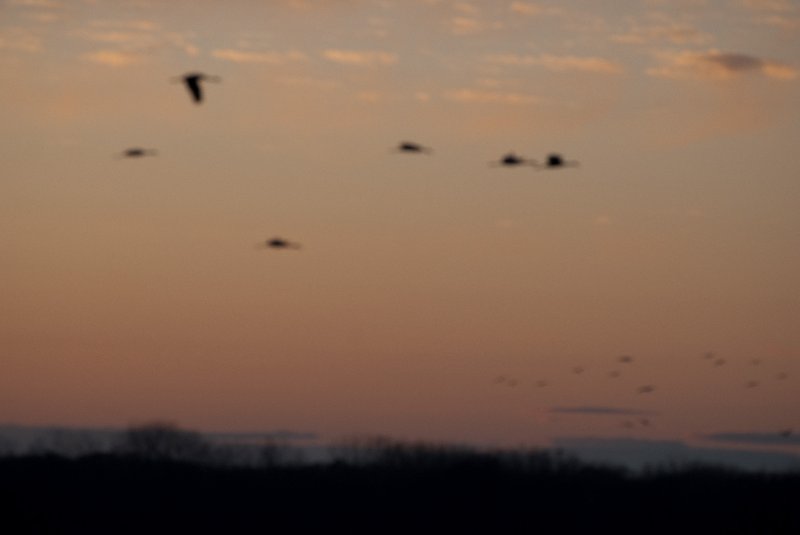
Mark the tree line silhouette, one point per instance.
(158, 478)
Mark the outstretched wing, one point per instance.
(193, 85)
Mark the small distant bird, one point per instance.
(577, 370)
(786, 433)
(411, 147)
(719, 362)
(279, 243)
(512, 160)
(192, 81)
(555, 160)
(708, 355)
(627, 359)
(137, 152)
(645, 389)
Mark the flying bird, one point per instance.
(279, 243)
(645, 389)
(512, 160)
(627, 359)
(414, 148)
(555, 161)
(192, 81)
(137, 152)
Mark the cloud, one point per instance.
(141, 25)
(500, 97)
(246, 56)
(599, 411)
(469, 20)
(20, 40)
(716, 65)
(782, 22)
(120, 38)
(114, 58)
(463, 7)
(778, 438)
(314, 83)
(672, 32)
(769, 5)
(134, 39)
(559, 63)
(35, 3)
(526, 8)
(366, 58)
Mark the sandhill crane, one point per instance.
(137, 152)
(279, 243)
(512, 160)
(555, 161)
(412, 147)
(192, 81)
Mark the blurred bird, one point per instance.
(410, 146)
(645, 389)
(627, 359)
(512, 160)
(192, 81)
(555, 160)
(137, 152)
(279, 243)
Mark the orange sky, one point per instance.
(133, 289)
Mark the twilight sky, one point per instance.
(435, 297)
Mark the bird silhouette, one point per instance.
(627, 359)
(555, 161)
(192, 81)
(645, 389)
(512, 160)
(414, 148)
(137, 152)
(279, 243)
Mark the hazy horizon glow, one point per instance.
(434, 297)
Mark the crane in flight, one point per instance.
(413, 148)
(192, 80)
(137, 152)
(279, 243)
(512, 160)
(555, 161)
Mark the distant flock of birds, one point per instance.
(503, 380)
(194, 80)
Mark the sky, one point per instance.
(434, 296)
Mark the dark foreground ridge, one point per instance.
(382, 486)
